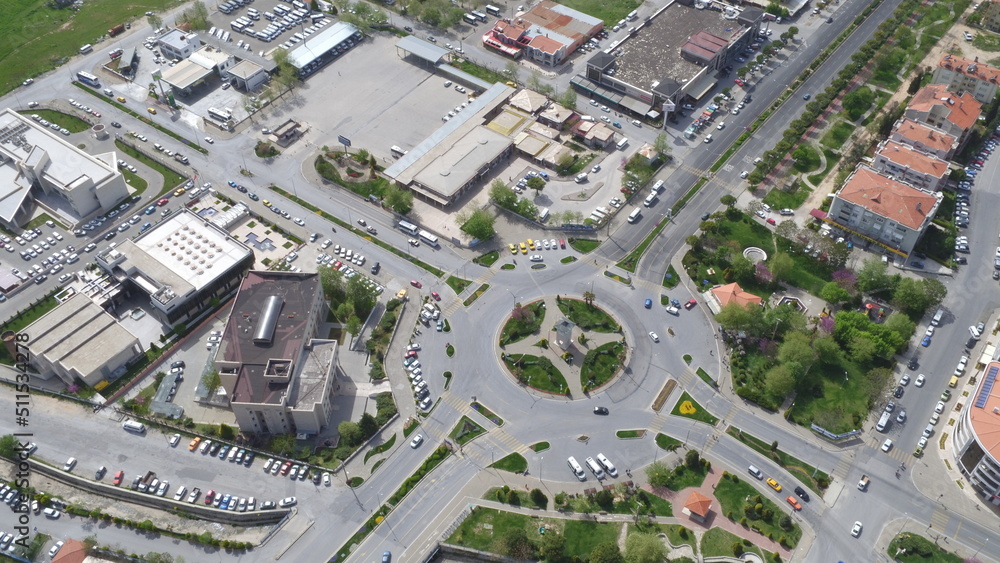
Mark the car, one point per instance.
(174, 440)
(55, 549)
(70, 464)
(417, 440)
(194, 443)
(416, 284)
(981, 327)
(386, 557)
(298, 221)
(601, 410)
(513, 248)
(802, 493)
(946, 395)
(939, 408)
(537, 258)
(116, 125)
(773, 484)
(326, 479)
(901, 417)
(794, 502)
(162, 489)
(913, 363)
(649, 303)
(771, 221)
(439, 326)
(408, 29)
(898, 393)
(653, 336)
(745, 173)
(436, 296)
(151, 110)
(691, 304)
(807, 96)
(886, 445)
(52, 513)
(118, 477)
(162, 201)
(209, 140)
(856, 530)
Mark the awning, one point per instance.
(698, 88)
(638, 106)
(818, 213)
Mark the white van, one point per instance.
(588, 118)
(622, 144)
(657, 187)
(595, 468)
(543, 214)
(134, 426)
(86, 49)
(937, 317)
(755, 472)
(576, 469)
(634, 216)
(650, 200)
(608, 466)
(598, 213)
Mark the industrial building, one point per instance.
(320, 48)
(183, 263)
(37, 165)
(279, 377)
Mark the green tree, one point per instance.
(692, 460)
(934, 291)
(780, 380)
(857, 102)
(737, 317)
(478, 224)
(661, 145)
(658, 474)
(511, 70)
(552, 546)
(644, 548)
(781, 265)
(8, 446)
(539, 498)
(361, 297)
(873, 276)
(909, 296)
(728, 200)
(606, 552)
(536, 183)
(565, 162)
(502, 195)
(787, 229)
(350, 432)
(514, 542)
(834, 294)
(226, 432)
(353, 325)
(367, 425)
(862, 348)
(605, 499)
(742, 270)
(900, 324)
(399, 200)
(568, 98)
(155, 21)
(797, 348)
(827, 350)
(431, 16)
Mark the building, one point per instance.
(905, 163)
(178, 44)
(989, 11)
(197, 68)
(976, 437)
(79, 340)
(459, 154)
(697, 506)
(324, 46)
(884, 211)
(724, 295)
(925, 138)
(677, 55)
(38, 166)
(967, 75)
(950, 112)
(183, 263)
(546, 34)
(247, 76)
(279, 377)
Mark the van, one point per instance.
(576, 469)
(650, 200)
(595, 468)
(588, 118)
(755, 472)
(430, 308)
(937, 317)
(883, 422)
(86, 49)
(598, 213)
(543, 214)
(108, 92)
(657, 187)
(581, 177)
(953, 382)
(622, 144)
(232, 454)
(134, 426)
(634, 216)
(633, 15)
(608, 466)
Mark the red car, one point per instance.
(209, 496)
(411, 354)
(286, 468)
(562, 243)
(337, 265)
(163, 202)
(435, 295)
(690, 304)
(415, 283)
(118, 477)
(771, 221)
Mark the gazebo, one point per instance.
(697, 507)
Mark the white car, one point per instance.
(326, 479)
(939, 407)
(51, 513)
(654, 336)
(905, 380)
(922, 442)
(209, 140)
(55, 549)
(287, 501)
(919, 382)
(299, 222)
(174, 440)
(417, 440)
(537, 258)
(887, 445)
(856, 530)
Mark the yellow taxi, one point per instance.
(151, 110)
(773, 484)
(266, 203)
(513, 249)
(179, 192)
(531, 244)
(120, 99)
(524, 249)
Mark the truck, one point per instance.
(146, 480)
(117, 30)
(863, 483)
(180, 158)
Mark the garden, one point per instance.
(911, 548)
(524, 321)
(601, 364)
(687, 407)
(536, 372)
(758, 513)
(586, 315)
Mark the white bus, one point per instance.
(428, 238)
(470, 19)
(220, 114)
(88, 78)
(479, 16)
(408, 228)
(576, 469)
(493, 10)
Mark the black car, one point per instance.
(802, 493)
(961, 260)
(248, 459)
(898, 393)
(178, 364)
(913, 364)
(601, 410)
(110, 235)
(408, 29)
(116, 125)
(376, 268)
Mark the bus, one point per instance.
(493, 10)
(408, 228)
(479, 15)
(88, 78)
(470, 19)
(396, 151)
(428, 238)
(220, 114)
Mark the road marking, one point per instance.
(939, 519)
(843, 466)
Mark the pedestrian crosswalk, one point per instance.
(939, 520)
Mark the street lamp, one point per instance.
(981, 547)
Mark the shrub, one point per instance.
(539, 498)
(513, 499)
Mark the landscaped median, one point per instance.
(689, 408)
(810, 476)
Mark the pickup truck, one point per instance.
(146, 480)
(193, 495)
(863, 483)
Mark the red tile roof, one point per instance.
(913, 159)
(919, 133)
(733, 293)
(698, 504)
(970, 67)
(888, 198)
(963, 111)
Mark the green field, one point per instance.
(71, 122)
(35, 38)
(611, 11)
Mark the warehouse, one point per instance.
(320, 48)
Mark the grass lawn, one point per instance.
(135, 181)
(667, 443)
(678, 535)
(24, 318)
(481, 409)
(837, 135)
(611, 11)
(689, 408)
(465, 431)
(170, 178)
(919, 549)
(780, 199)
(518, 329)
(487, 259)
(671, 279)
(802, 470)
(582, 536)
(537, 372)
(515, 463)
(480, 72)
(458, 284)
(601, 363)
(476, 294)
(806, 158)
(630, 433)
(381, 447)
(718, 543)
(841, 406)
(539, 447)
(568, 259)
(583, 245)
(732, 493)
(587, 317)
(705, 377)
(484, 524)
(832, 159)
(35, 38)
(71, 122)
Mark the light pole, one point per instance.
(347, 481)
(981, 547)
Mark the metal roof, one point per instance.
(319, 44)
(423, 49)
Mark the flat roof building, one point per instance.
(883, 210)
(320, 48)
(79, 340)
(201, 64)
(183, 263)
(73, 184)
(178, 44)
(249, 76)
(279, 376)
(976, 439)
